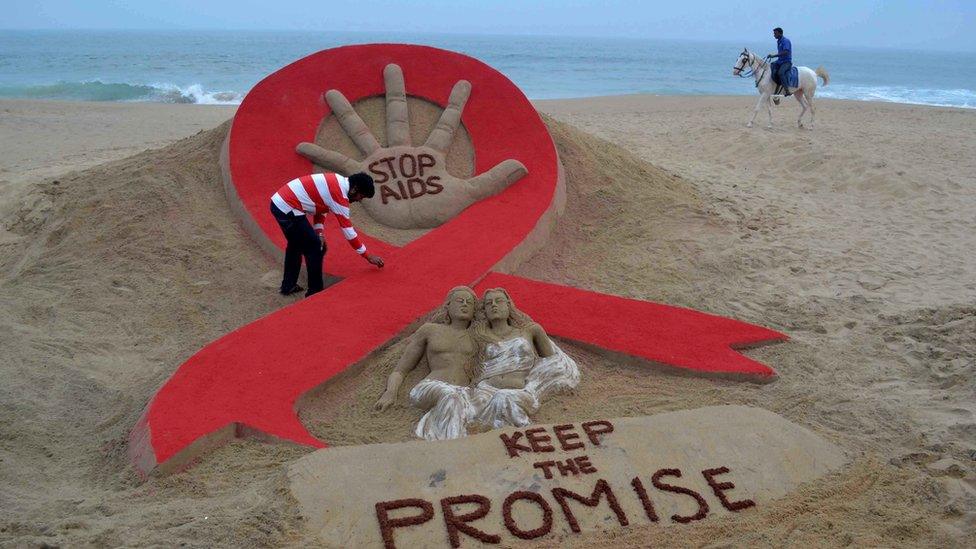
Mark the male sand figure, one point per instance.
(317, 195)
(450, 350)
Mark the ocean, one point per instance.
(219, 67)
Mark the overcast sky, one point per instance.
(942, 25)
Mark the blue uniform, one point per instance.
(781, 67)
(784, 45)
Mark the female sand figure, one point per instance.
(519, 365)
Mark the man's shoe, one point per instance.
(294, 290)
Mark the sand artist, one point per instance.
(317, 195)
(519, 367)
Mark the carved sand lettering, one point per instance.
(644, 499)
(565, 438)
(387, 525)
(579, 465)
(594, 429)
(720, 487)
(459, 512)
(406, 176)
(512, 445)
(538, 440)
(514, 528)
(433, 187)
(601, 489)
(584, 465)
(702, 504)
(457, 524)
(567, 468)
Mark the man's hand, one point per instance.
(414, 188)
(384, 402)
(375, 260)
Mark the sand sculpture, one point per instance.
(672, 470)
(414, 188)
(447, 345)
(233, 387)
(519, 367)
(511, 362)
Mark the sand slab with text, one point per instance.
(676, 468)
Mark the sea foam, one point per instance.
(961, 98)
(96, 90)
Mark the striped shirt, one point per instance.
(317, 195)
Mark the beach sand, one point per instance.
(855, 239)
(45, 138)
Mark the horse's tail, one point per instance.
(822, 73)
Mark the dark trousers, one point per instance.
(782, 72)
(302, 241)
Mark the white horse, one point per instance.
(749, 64)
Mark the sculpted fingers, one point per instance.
(496, 179)
(330, 160)
(350, 121)
(397, 119)
(443, 133)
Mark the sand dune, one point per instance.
(855, 239)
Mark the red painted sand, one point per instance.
(251, 378)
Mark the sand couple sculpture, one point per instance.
(491, 366)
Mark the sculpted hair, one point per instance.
(482, 328)
(442, 314)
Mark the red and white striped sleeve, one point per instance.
(339, 205)
(318, 221)
(350, 233)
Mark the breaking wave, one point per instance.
(96, 90)
(900, 94)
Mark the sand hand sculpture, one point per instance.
(450, 350)
(415, 189)
(520, 365)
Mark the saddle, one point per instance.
(792, 81)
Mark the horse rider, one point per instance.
(784, 61)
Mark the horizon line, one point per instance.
(474, 33)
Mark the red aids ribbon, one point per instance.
(250, 380)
